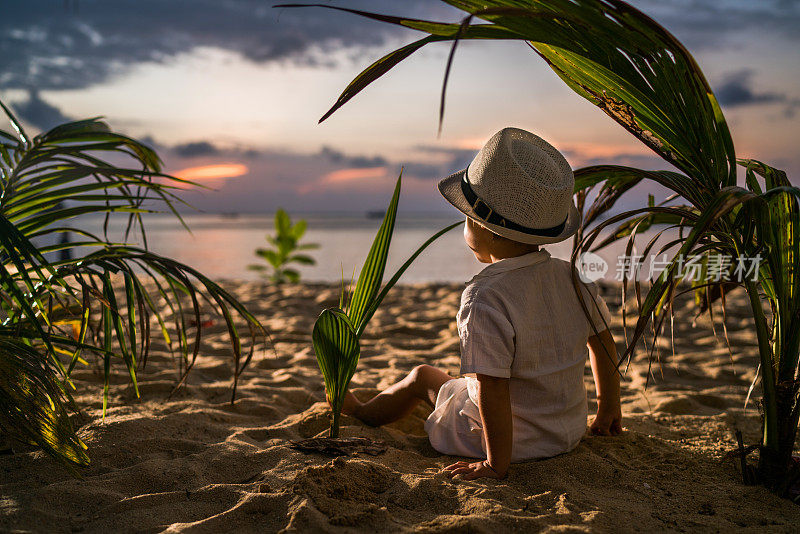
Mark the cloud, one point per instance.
(348, 175)
(47, 45)
(38, 112)
(323, 181)
(454, 158)
(210, 172)
(736, 90)
(352, 177)
(206, 149)
(701, 24)
(338, 157)
(434, 162)
(196, 149)
(326, 180)
(446, 160)
(431, 162)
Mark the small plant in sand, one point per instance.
(287, 243)
(100, 299)
(337, 331)
(642, 77)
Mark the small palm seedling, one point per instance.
(287, 243)
(338, 330)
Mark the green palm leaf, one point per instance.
(611, 54)
(33, 400)
(337, 332)
(110, 289)
(337, 348)
(376, 302)
(439, 32)
(371, 276)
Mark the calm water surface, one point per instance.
(223, 246)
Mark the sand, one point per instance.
(196, 463)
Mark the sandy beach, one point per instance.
(196, 463)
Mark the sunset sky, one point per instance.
(229, 93)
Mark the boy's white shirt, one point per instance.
(520, 319)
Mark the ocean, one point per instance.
(222, 246)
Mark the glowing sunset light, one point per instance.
(474, 143)
(601, 150)
(345, 175)
(208, 172)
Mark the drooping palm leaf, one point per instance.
(110, 290)
(634, 70)
(33, 400)
(611, 54)
(438, 31)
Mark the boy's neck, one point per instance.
(510, 249)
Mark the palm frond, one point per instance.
(371, 275)
(337, 332)
(110, 289)
(608, 52)
(337, 348)
(33, 399)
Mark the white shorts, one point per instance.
(454, 426)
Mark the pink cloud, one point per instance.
(355, 175)
(214, 171)
(347, 175)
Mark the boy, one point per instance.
(522, 328)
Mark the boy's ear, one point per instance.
(498, 237)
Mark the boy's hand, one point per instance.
(607, 422)
(471, 471)
(603, 356)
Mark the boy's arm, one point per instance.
(606, 378)
(494, 403)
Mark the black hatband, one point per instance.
(487, 214)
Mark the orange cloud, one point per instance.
(346, 175)
(207, 172)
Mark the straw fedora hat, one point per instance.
(518, 186)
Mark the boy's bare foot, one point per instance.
(350, 405)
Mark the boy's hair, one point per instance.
(498, 237)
